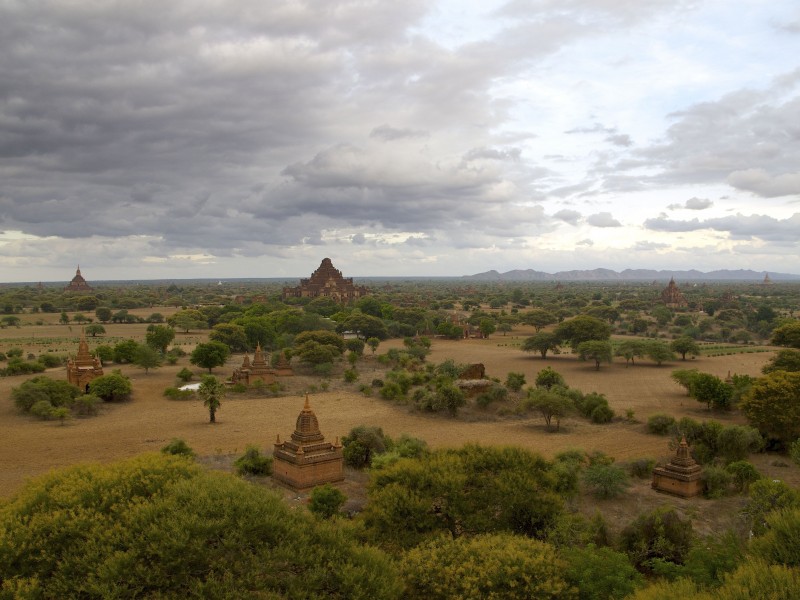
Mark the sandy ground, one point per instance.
(29, 447)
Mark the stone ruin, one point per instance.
(472, 380)
(672, 296)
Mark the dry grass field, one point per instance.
(29, 447)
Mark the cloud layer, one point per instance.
(240, 138)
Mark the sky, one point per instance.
(251, 138)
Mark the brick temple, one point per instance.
(306, 459)
(327, 281)
(672, 296)
(681, 476)
(84, 367)
(78, 283)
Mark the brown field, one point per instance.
(29, 447)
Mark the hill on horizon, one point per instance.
(631, 275)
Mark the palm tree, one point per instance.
(212, 391)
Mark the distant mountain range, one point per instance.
(631, 275)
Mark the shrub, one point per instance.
(377, 383)
(252, 462)
(391, 391)
(794, 451)
(496, 393)
(661, 534)
(734, 443)
(326, 501)
(239, 388)
(602, 414)
(605, 480)
(515, 381)
(767, 495)
(178, 447)
(185, 375)
(361, 444)
(350, 375)
(113, 387)
(717, 481)
(174, 393)
(323, 369)
(641, 467)
(86, 404)
(51, 360)
(600, 573)
(660, 424)
(42, 409)
(743, 474)
(56, 392)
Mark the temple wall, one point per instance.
(309, 474)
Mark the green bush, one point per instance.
(51, 360)
(515, 381)
(178, 447)
(174, 393)
(326, 501)
(42, 409)
(661, 424)
(641, 467)
(743, 474)
(600, 573)
(661, 534)
(86, 405)
(350, 375)
(239, 388)
(252, 462)
(602, 414)
(717, 481)
(56, 392)
(496, 393)
(185, 375)
(605, 480)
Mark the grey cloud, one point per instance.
(358, 239)
(620, 140)
(585, 242)
(568, 216)
(693, 203)
(737, 226)
(512, 154)
(760, 182)
(603, 219)
(390, 134)
(648, 246)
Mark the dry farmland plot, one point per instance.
(30, 447)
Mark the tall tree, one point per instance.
(582, 328)
(595, 350)
(209, 355)
(146, 357)
(772, 405)
(159, 337)
(685, 345)
(211, 392)
(542, 342)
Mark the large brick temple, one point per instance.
(78, 283)
(84, 367)
(327, 281)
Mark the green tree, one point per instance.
(125, 351)
(787, 335)
(658, 352)
(711, 390)
(780, 543)
(161, 526)
(64, 318)
(94, 328)
(42, 388)
(113, 387)
(542, 343)
(364, 326)
(373, 343)
(549, 377)
(146, 357)
(539, 318)
(600, 573)
(605, 480)
(211, 392)
(362, 444)
(595, 350)
(209, 355)
(326, 501)
(103, 313)
(487, 327)
(661, 534)
(582, 328)
(772, 405)
(159, 337)
(496, 565)
(550, 403)
(784, 360)
(187, 319)
(322, 337)
(465, 491)
(767, 496)
(630, 350)
(515, 381)
(685, 345)
(233, 336)
(252, 462)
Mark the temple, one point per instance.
(78, 283)
(84, 367)
(327, 281)
(307, 460)
(672, 296)
(681, 476)
(259, 369)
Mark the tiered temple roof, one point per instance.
(78, 283)
(672, 296)
(681, 476)
(306, 459)
(327, 281)
(84, 367)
